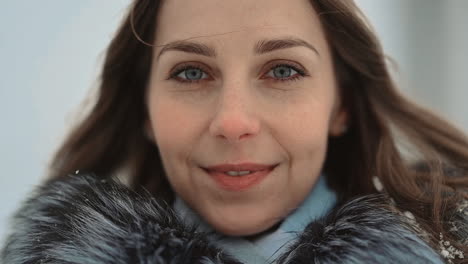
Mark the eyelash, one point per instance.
(174, 75)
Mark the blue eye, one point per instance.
(280, 72)
(285, 72)
(192, 74)
(189, 74)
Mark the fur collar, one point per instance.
(268, 246)
(82, 219)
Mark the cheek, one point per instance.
(306, 124)
(175, 130)
(305, 137)
(172, 124)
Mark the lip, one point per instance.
(239, 183)
(239, 167)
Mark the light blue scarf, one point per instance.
(268, 247)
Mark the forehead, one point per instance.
(250, 19)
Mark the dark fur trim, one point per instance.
(362, 231)
(81, 219)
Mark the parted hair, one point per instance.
(420, 159)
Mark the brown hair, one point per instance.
(420, 158)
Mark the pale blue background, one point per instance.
(50, 54)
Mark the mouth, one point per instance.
(239, 177)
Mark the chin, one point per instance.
(240, 231)
(246, 226)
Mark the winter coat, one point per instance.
(82, 219)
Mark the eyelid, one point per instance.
(278, 63)
(187, 65)
(175, 71)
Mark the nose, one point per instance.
(234, 118)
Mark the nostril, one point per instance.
(234, 129)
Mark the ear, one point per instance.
(339, 123)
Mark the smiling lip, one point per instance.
(239, 183)
(239, 167)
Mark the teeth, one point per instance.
(237, 173)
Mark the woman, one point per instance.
(249, 132)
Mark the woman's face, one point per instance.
(248, 85)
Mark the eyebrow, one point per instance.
(262, 47)
(265, 46)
